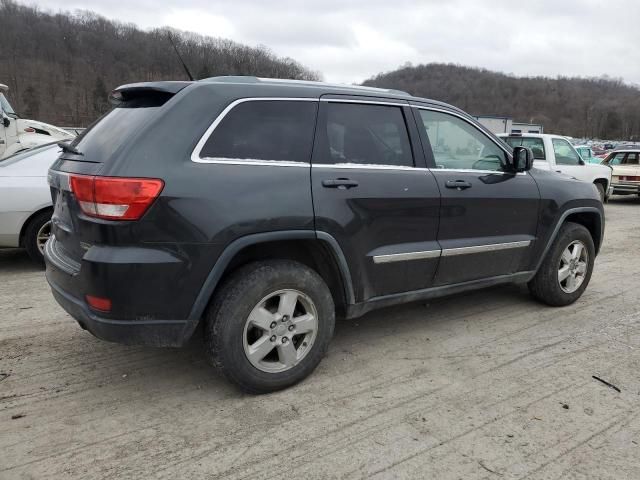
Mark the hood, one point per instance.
(42, 128)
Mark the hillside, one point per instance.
(579, 107)
(60, 67)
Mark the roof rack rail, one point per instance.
(305, 83)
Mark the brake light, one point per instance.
(115, 198)
(629, 178)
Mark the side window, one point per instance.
(366, 135)
(616, 159)
(459, 145)
(278, 130)
(565, 154)
(631, 159)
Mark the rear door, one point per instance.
(373, 194)
(488, 217)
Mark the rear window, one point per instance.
(276, 130)
(111, 131)
(535, 144)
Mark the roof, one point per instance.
(3, 88)
(276, 86)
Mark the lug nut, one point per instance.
(291, 327)
(273, 338)
(273, 324)
(285, 318)
(285, 339)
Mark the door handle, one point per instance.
(341, 183)
(1, 142)
(459, 184)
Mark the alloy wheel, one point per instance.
(573, 266)
(280, 331)
(43, 235)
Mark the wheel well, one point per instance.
(591, 221)
(602, 181)
(28, 221)
(315, 254)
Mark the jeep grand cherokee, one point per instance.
(260, 209)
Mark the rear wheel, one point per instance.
(566, 270)
(269, 325)
(36, 234)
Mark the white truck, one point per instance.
(554, 152)
(17, 134)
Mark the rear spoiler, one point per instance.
(157, 90)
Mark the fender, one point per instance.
(234, 247)
(559, 224)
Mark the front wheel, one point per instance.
(566, 270)
(269, 325)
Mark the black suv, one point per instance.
(259, 209)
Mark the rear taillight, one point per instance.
(115, 198)
(629, 178)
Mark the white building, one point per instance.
(507, 125)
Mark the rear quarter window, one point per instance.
(268, 130)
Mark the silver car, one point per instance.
(25, 200)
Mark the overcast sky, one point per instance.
(350, 40)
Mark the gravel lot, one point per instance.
(483, 385)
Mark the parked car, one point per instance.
(555, 153)
(25, 200)
(626, 171)
(588, 154)
(280, 204)
(19, 134)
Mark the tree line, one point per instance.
(60, 67)
(602, 108)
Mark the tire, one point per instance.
(234, 342)
(37, 226)
(546, 286)
(601, 191)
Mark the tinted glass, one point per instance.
(265, 130)
(113, 130)
(365, 135)
(565, 153)
(459, 145)
(535, 144)
(631, 159)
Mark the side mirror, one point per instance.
(522, 159)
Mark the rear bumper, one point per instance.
(69, 285)
(157, 333)
(626, 188)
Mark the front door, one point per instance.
(373, 194)
(567, 159)
(488, 217)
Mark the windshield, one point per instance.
(534, 143)
(6, 106)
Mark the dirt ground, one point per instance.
(483, 385)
